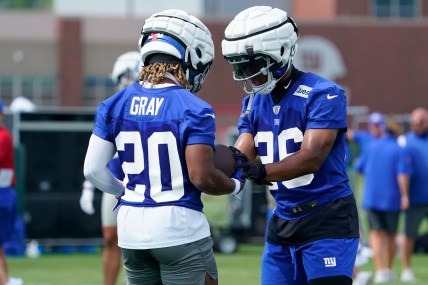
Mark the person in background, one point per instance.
(8, 200)
(363, 137)
(364, 254)
(126, 70)
(386, 168)
(22, 104)
(416, 141)
(164, 136)
(295, 122)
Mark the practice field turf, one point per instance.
(241, 268)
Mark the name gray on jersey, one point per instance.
(144, 106)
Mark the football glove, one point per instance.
(238, 155)
(255, 172)
(240, 158)
(87, 198)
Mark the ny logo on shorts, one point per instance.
(329, 261)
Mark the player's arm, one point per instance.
(98, 155)
(245, 143)
(315, 147)
(204, 175)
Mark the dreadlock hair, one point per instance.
(154, 73)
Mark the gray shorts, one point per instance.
(177, 265)
(383, 221)
(413, 218)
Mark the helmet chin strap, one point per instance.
(267, 89)
(250, 102)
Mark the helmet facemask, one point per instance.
(258, 74)
(253, 74)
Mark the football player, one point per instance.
(8, 199)
(296, 123)
(126, 70)
(164, 137)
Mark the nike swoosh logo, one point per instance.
(211, 115)
(329, 97)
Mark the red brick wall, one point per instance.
(70, 71)
(353, 8)
(385, 62)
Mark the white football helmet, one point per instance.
(175, 33)
(260, 43)
(126, 69)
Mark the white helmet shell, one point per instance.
(128, 65)
(266, 30)
(192, 34)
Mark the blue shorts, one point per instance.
(8, 213)
(297, 264)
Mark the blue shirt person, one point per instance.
(416, 141)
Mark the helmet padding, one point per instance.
(190, 33)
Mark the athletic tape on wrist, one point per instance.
(237, 186)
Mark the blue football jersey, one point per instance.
(362, 138)
(417, 147)
(382, 161)
(312, 102)
(115, 168)
(150, 128)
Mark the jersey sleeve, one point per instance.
(359, 137)
(101, 123)
(244, 120)
(199, 127)
(327, 109)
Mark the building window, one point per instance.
(396, 8)
(97, 89)
(41, 90)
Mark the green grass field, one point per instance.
(241, 268)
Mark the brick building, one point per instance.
(65, 61)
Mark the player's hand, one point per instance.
(238, 155)
(255, 172)
(87, 201)
(240, 158)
